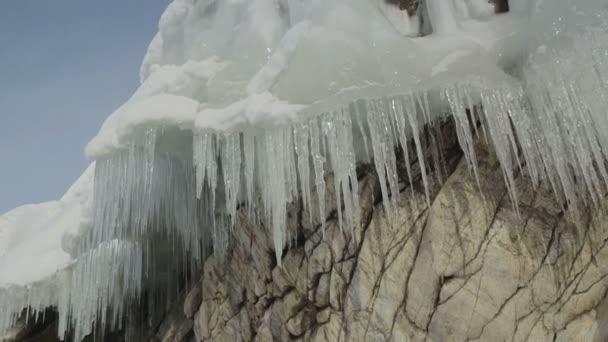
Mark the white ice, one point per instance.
(344, 68)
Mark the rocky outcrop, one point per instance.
(468, 266)
(465, 263)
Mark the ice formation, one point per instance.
(250, 104)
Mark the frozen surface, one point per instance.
(21, 232)
(251, 103)
(233, 94)
(31, 236)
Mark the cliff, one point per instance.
(472, 266)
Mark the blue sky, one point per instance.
(65, 65)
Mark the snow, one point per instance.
(44, 262)
(251, 103)
(32, 236)
(167, 87)
(38, 246)
(20, 231)
(344, 70)
(256, 110)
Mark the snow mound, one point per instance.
(32, 236)
(241, 84)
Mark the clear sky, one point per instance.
(65, 65)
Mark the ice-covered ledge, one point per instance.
(477, 48)
(305, 126)
(234, 153)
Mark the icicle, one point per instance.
(384, 157)
(275, 194)
(362, 130)
(410, 111)
(289, 155)
(436, 142)
(249, 152)
(398, 112)
(231, 165)
(338, 132)
(463, 131)
(319, 167)
(497, 116)
(301, 134)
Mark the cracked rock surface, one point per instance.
(468, 266)
(464, 264)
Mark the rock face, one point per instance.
(468, 266)
(463, 264)
(36, 328)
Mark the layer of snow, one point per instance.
(21, 231)
(32, 236)
(231, 96)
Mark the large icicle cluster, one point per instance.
(98, 288)
(567, 86)
(191, 183)
(254, 117)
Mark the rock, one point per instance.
(468, 267)
(323, 316)
(340, 277)
(321, 296)
(236, 329)
(330, 331)
(301, 322)
(176, 327)
(193, 301)
(264, 333)
(39, 328)
(282, 310)
(319, 261)
(17, 332)
(48, 334)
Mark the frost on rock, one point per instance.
(252, 104)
